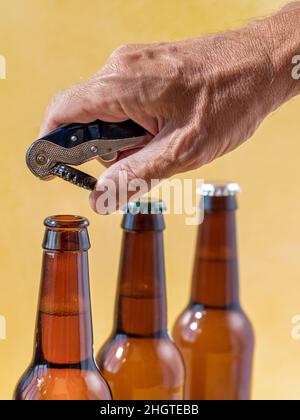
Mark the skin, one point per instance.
(200, 98)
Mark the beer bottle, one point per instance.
(139, 360)
(63, 366)
(213, 333)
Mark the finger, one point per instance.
(83, 103)
(134, 175)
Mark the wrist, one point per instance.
(280, 38)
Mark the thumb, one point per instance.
(132, 177)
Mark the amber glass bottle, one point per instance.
(63, 366)
(139, 360)
(213, 332)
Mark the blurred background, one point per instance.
(50, 44)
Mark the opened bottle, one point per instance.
(63, 365)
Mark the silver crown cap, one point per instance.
(145, 206)
(219, 189)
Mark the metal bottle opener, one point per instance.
(75, 144)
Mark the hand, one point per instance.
(200, 98)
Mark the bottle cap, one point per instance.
(144, 216)
(145, 206)
(219, 189)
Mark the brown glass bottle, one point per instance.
(63, 366)
(213, 333)
(139, 360)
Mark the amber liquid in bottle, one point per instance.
(63, 365)
(213, 333)
(139, 360)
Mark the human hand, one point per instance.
(200, 98)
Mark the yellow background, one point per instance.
(50, 44)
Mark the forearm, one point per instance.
(253, 64)
(280, 35)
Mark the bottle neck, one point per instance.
(64, 327)
(141, 308)
(215, 277)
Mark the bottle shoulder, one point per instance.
(197, 311)
(140, 353)
(122, 343)
(45, 383)
(197, 322)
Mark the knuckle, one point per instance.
(76, 92)
(126, 55)
(178, 149)
(182, 151)
(130, 170)
(121, 50)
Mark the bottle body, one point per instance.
(142, 369)
(63, 366)
(140, 360)
(213, 333)
(217, 346)
(48, 383)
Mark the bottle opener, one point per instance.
(75, 144)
